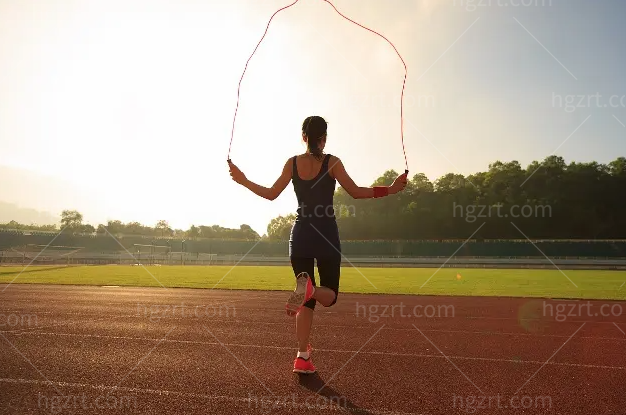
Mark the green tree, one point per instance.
(193, 232)
(618, 167)
(115, 227)
(421, 183)
(279, 228)
(71, 220)
(164, 227)
(88, 229)
(450, 182)
(248, 233)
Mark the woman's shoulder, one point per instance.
(332, 159)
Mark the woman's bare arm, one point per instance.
(338, 171)
(270, 193)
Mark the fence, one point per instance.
(389, 249)
(198, 259)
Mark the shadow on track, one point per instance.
(317, 385)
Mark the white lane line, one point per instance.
(289, 324)
(270, 347)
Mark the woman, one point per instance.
(314, 235)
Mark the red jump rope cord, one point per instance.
(358, 24)
(403, 82)
(232, 133)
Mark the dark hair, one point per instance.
(314, 128)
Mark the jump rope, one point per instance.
(352, 21)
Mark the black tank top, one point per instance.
(315, 233)
(315, 196)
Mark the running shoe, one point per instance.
(303, 293)
(301, 365)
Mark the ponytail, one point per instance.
(312, 145)
(315, 129)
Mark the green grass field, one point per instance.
(473, 281)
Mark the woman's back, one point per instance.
(314, 189)
(315, 232)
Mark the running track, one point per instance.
(127, 350)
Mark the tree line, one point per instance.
(72, 221)
(548, 199)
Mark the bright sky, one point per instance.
(130, 102)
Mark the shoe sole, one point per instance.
(297, 298)
(306, 372)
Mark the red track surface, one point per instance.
(99, 346)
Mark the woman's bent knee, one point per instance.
(333, 302)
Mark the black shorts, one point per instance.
(328, 268)
(314, 239)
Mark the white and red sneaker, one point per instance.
(301, 365)
(303, 293)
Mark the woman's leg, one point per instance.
(324, 295)
(329, 270)
(304, 322)
(304, 318)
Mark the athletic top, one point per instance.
(314, 233)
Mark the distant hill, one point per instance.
(11, 211)
(30, 197)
